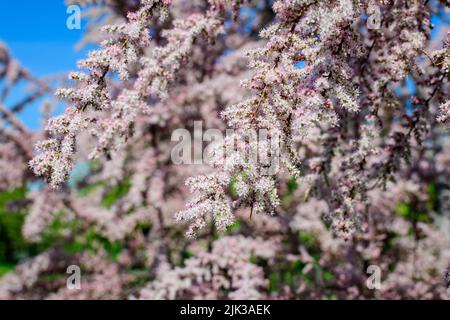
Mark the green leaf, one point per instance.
(328, 276)
(5, 268)
(12, 195)
(433, 196)
(306, 238)
(116, 193)
(289, 278)
(329, 297)
(253, 259)
(83, 192)
(113, 248)
(13, 246)
(403, 209)
(74, 247)
(407, 211)
(232, 188)
(292, 185)
(236, 226)
(274, 279)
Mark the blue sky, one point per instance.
(36, 34)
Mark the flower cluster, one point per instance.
(227, 268)
(338, 157)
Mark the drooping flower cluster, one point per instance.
(336, 155)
